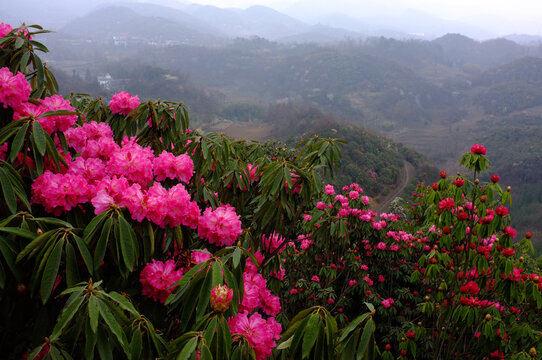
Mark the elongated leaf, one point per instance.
(188, 349)
(113, 324)
(19, 232)
(66, 316)
(365, 338)
(101, 246)
(51, 271)
(34, 244)
(18, 142)
(123, 302)
(92, 226)
(85, 253)
(126, 243)
(39, 136)
(72, 271)
(93, 312)
(311, 332)
(90, 342)
(7, 191)
(136, 345)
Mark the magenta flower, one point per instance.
(259, 333)
(14, 89)
(169, 166)
(221, 298)
(157, 279)
(123, 103)
(220, 226)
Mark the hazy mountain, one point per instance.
(124, 26)
(524, 39)
(321, 34)
(255, 21)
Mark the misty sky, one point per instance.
(528, 10)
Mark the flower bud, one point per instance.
(532, 352)
(221, 298)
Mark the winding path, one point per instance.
(406, 176)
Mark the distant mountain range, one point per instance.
(175, 21)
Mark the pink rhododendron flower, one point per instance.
(320, 205)
(329, 189)
(123, 103)
(14, 89)
(169, 166)
(315, 278)
(171, 207)
(353, 194)
(61, 122)
(381, 246)
(352, 283)
(220, 226)
(157, 277)
(447, 203)
(5, 29)
(273, 242)
(133, 162)
(60, 192)
(387, 302)
(260, 334)
(199, 256)
(511, 232)
(102, 201)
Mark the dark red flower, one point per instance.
(495, 178)
(508, 252)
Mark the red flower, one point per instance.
(495, 178)
(478, 149)
(443, 174)
(459, 182)
(508, 252)
(501, 210)
(511, 232)
(410, 334)
(462, 215)
(470, 288)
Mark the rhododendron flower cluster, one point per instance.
(256, 295)
(14, 89)
(220, 226)
(123, 103)
(260, 334)
(5, 29)
(169, 166)
(471, 288)
(60, 192)
(157, 278)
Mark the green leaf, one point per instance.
(72, 271)
(366, 337)
(51, 271)
(126, 243)
(92, 226)
(7, 190)
(90, 341)
(19, 232)
(36, 242)
(101, 246)
(65, 317)
(18, 142)
(123, 302)
(112, 323)
(85, 253)
(217, 274)
(311, 333)
(40, 137)
(93, 312)
(236, 257)
(188, 349)
(206, 353)
(136, 345)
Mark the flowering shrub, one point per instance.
(105, 250)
